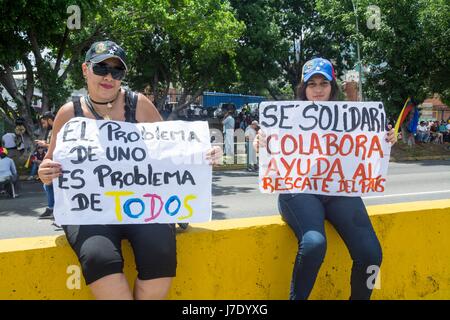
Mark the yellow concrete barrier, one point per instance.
(252, 258)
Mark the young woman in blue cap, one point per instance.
(98, 247)
(306, 213)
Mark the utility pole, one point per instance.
(360, 93)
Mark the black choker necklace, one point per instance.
(107, 102)
(109, 106)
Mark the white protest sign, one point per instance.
(124, 173)
(331, 148)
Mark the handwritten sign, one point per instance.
(123, 173)
(332, 148)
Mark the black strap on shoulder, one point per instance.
(131, 99)
(77, 110)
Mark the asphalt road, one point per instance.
(236, 195)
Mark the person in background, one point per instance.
(423, 134)
(445, 132)
(436, 136)
(20, 131)
(228, 132)
(8, 141)
(36, 159)
(250, 134)
(47, 125)
(8, 172)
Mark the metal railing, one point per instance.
(239, 156)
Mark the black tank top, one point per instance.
(130, 107)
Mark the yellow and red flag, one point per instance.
(408, 106)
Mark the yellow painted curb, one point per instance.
(252, 258)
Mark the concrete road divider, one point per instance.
(252, 259)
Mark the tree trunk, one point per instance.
(23, 104)
(407, 137)
(160, 101)
(45, 102)
(184, 102)
(5, 111)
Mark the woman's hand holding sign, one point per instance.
(49, 170)
(259, 141)
(391, 137)
(214, 155)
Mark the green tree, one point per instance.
(260, 48)
(280, 37)
(405, 48)
(36, 35)
(395, 54)
(435, 18)
(189, 44)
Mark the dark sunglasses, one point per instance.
(103, 69)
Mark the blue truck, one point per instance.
(215, 99)
(215, 104)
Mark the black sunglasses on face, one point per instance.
(103, 69)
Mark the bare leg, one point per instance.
(111, 287)
(155, 289)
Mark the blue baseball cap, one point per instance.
(318, 66)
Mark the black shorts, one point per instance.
(98, 248)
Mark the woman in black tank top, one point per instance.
(98, 247)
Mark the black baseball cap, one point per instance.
(20, 121)
(102, 50)
(48, 115)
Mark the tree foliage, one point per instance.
(246, 46)
(190, 44)
(35, 36)
(406, 51)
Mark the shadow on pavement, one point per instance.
(30, 202)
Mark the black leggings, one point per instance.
(99, 251)
(306, 214)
